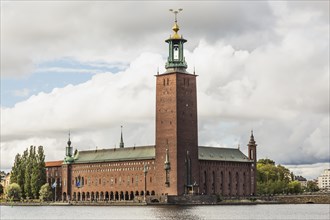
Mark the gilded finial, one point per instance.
(176, 28)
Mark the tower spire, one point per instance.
(69, 141)
(176, 60)
(121, 145)
(176, 28)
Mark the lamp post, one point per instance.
(145, 171)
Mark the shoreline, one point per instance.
(188, 200)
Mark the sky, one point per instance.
(88, 68)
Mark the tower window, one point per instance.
(168, 81)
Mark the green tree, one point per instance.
(312, 186)
(15, 169)
(1, 189)
(22, 168)
(38, 175)
(272, 179)
(13, 192)
(294, 187)
(45, 192)
(266, 161)
(27, 176)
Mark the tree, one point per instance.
(1, 189)
(45, 192)
(27, 176)
(294, 187)
(13, 192)
(15, 169)
(272, 179)
(312, 186)
(38, 176)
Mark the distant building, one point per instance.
(175, 165)
(301, 180)
(324, 180)
(5, 181)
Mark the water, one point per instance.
(301, 211)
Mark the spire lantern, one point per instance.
(176, 60)
(68, 152)
(69, 141)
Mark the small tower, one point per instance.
(121, 144)
(252, 148)
(68, 152)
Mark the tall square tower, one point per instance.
(176, 123)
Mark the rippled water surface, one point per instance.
(302, 211)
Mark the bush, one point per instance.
(13, 192)
(45, 192)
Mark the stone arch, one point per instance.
(88, 196)
(131, 195)
(141, 193)
(116, 195)
(97, 196)
(112, 197)
(136, 193)
(153, 193)
(74, 196)
(101, 196)
(92, 196)
(64, 196)
(106, 196)
(148, 193)
(126, 196)
(83, 198)
(79, 196)
(121, 195)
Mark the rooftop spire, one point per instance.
(121, 145)
(176, 28)
(252, 141)
(69, 141)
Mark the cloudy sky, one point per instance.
(89, 67)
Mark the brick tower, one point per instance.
(176, 122)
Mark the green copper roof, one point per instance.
(116, 154)
(221, 154)
(148, 152)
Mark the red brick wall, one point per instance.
(125, 176)
(225, 178)
(176, 129)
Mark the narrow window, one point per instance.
(168, 81)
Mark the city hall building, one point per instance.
(175, 165)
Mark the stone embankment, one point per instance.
(302, 199)
(193, 200)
